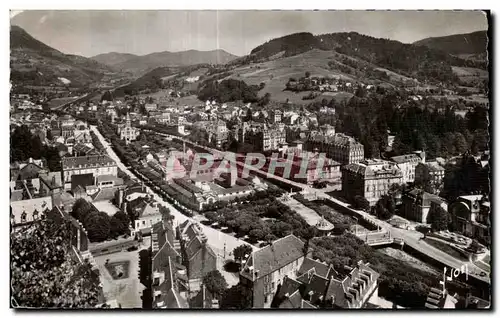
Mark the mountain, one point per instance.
(113, 58)
(407, 59)
(458, 44)
(142, 64)
(35, 63)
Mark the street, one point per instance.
(216, 239)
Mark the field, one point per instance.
(276, 73)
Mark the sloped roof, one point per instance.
(321, 269)
(293, 301)
(82, 180)
(104, 194)
(289, 286)
(275, 256)
(52, 179)
(307, 305)
(406, 158)
(87, 161)
(29, 171)
(316, 288)
(148, 210)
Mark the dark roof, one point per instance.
(424, 198)
(82, 180)
(321, 269)
(316, 288)
(273, 257)
(104, 194)
(289, 286)
(169, 296)
(293, 301)
(307, 305)
(29, 171)
(340, 289)
(87, 162)
(162, 238)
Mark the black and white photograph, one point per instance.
(244, 159)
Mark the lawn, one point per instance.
(444, 247)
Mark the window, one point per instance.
(143, 222)
(272, 286)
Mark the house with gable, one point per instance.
(267, 267)
(319, 285)
(168, 276)
(197, 255)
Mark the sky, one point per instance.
(89, 33)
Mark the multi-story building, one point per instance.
(169, 279)
(264, 137)
(151, 107)
(418, 204)
(407, 164)
(197, 255)
(339, 147)
(148, 213)
(276, 116)
(431, 172)
(127, 132)
(470, 215)
(321, 286)
(370, 178)
(267, 268)
(218, 133)
(97, 165)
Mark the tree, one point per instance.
(49, 135)
(215, 283)
(98, 226)
(385, 207)
(81, 208)
(240, 252)
(42, 274)
(119, 224)
(107, 96)
(308, 74)
(237, 297)
(361, 203)
(438, 219)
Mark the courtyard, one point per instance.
(106, 206)
(120, 277)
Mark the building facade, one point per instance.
(470, 215)
(339, 147)
(417, 205)
(127, 132)
(407, 164)
(97, 165)
(370, 178)
(267, 267)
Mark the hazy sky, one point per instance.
(90, 33)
